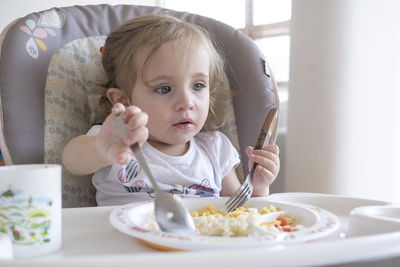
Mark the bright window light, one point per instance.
(276, 50)
(227, 11)
(271, 11)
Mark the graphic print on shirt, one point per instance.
(129, 172)
(139, 186)
(203, 190)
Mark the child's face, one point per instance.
(174, 92)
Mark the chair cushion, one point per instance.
(71, 106)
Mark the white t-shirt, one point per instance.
(199, 172)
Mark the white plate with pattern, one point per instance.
(135, 220)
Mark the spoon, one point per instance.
(169, 212)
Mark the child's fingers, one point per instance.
(267, 174)
(123, 111)
(139, 135)
(272, 148)
(263, 177)
(137, 120)
(269, 151)
(267, 158)
(249, 150)
(131, 110)
(264, 171)
(121, 154)
(134, 117)
(117, 109)
(123, 158)
(265, 154)
(270, 162)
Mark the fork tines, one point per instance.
(240, 196)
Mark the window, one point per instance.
(267, 22)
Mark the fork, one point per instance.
(246, 189)
(169, 212)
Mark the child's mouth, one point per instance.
(184, 124)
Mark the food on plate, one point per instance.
(240, 222)
(211, 222)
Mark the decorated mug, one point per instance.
(30, 208)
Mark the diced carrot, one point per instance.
(282, 220)
(286, 229)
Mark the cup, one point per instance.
(30, 208)
(6, 252)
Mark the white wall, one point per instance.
(11, 10)
(344, 103)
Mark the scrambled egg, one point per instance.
(238, 223)
(212, 222)
(210, 210)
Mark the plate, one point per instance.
(133, 220)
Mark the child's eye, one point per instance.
(198, 86)
(163, 90)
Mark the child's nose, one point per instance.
(184, 101)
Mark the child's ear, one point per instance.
(116, 95)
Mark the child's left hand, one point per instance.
(267, 169)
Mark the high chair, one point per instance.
(50, 69)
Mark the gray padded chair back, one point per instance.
(29, 43)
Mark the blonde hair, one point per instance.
(122, 45)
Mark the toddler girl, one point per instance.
(167, 82)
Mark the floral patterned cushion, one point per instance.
(72, 96)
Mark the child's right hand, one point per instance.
(109, 143)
